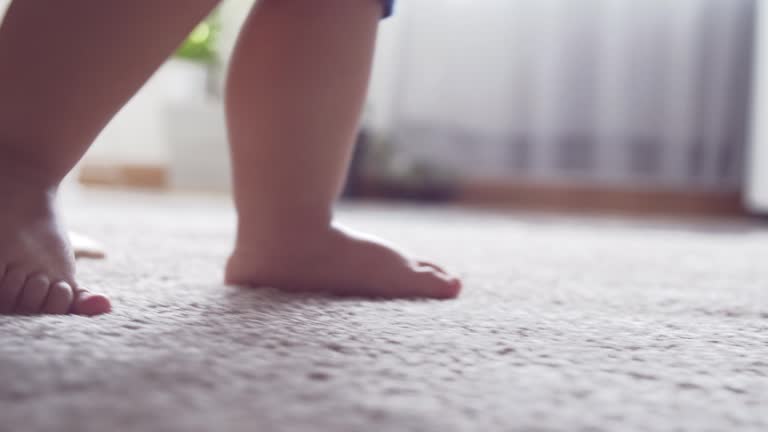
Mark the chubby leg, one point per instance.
(296, 88)
(66, 67)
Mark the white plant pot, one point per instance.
(137, 135)
(199, 155)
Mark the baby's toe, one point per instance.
(59, 301)
(433, 283)
(433, 266)
(89, 304)
(33, 294)
(10, 286)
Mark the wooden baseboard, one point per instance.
(144, 176)
(566, 198)
(626, 200)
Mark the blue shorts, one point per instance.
(389, 5)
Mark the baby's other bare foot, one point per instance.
(340, 262)
(85, 247)
(37, 268)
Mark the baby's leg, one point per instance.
(66, 67)
(296, 88)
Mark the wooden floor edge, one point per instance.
(145, 176)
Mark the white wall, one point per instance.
(614, 92)
(757, 194)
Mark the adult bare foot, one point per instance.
(339, 262)
(37, 269)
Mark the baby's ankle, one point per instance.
(284, 238)
(25, 192)
(23, 169)
(284, 228)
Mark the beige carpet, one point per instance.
(567, 324)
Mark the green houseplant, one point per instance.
(200, 45)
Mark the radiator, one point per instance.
(607, 92)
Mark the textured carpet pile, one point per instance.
(566, 324)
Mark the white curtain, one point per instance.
(613, 92)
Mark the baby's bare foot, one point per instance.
(338, 262)
(37, 266)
